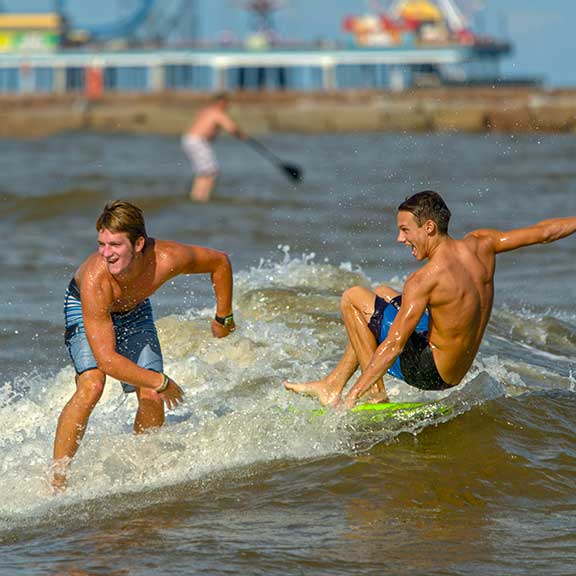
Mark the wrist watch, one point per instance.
(226, 321)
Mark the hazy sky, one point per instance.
(541, 31)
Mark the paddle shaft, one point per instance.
(259, 147)
(291, 170)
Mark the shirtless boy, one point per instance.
(109, 325)
(197, 144)
(429, 335)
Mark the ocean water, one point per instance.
(243, 478)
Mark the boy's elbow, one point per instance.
(103, 365)
(105, 362)
(222, 262)
(225, 260)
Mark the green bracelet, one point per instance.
(164, 384)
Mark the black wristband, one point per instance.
(164, 384)
(225, 320)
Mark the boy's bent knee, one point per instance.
(90, 385)
(352, 294)
(356, 296)
(386, 292)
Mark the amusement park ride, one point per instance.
(413, 22)
(388, 23)
(155, 45)
(149, 18)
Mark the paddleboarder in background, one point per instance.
(197, 144)
(430, 334)
(110, 330)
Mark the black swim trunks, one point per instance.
(415, 365)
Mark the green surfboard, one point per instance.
(395, 410)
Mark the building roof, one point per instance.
(47, 22)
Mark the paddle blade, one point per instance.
(293, 172)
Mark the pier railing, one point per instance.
(96, 72)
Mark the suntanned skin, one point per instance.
(457, 287)
(116, 279)
(207, 125)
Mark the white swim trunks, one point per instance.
(200, 154)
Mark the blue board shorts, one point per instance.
(136, 336)
(415, 365)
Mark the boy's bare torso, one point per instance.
(207, 123)
(460, 275)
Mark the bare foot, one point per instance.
(59, 476)
(379, 398)
(317, 389)
(374, 395)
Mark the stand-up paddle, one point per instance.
(291, 170)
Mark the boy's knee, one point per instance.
(386, 292)
(352, 296)
(90, 386)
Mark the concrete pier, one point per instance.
(499, 109)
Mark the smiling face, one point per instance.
(117, 250)
(412, 235)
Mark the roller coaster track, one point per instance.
(120, 28)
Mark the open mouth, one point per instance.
(112, 262)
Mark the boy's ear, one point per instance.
(430, 227)
(139, 246)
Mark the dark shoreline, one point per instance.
(465, 109)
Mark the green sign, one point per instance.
(28, 41)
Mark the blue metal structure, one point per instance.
(118, 29)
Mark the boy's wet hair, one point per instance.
(428, 205)
(122, 216)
